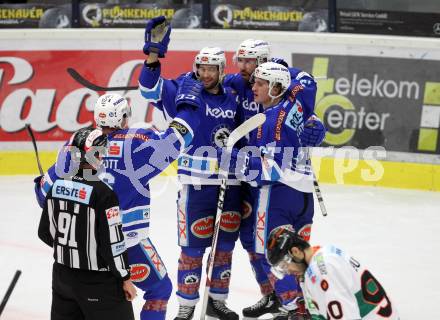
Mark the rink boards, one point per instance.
(372, 91)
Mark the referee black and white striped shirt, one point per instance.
(81, 221)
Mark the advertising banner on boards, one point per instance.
(377, 101)
(98, 15)
(388, 22)
(36, 89)
(277, 15)
(35, 15)
(136, 15)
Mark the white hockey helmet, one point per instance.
(275, 73)
(110, 111)
(212, 56)
(253, 49)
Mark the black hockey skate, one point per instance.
(218, 309)
(185, 313)
(268, 304)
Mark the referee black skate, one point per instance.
(81, 221)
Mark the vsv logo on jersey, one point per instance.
(71, 190)
(219, 113)
(115, 149)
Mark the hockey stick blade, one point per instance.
(34, 143)
(86, 83)
(245, 128)
(9, 291)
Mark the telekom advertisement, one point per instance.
(36, 89)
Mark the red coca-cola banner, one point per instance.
(36, 89)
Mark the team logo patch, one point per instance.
(226, 274)
(203, 228)
(230, 221)
(246, 209)
(305, 232)
(220, 135)
(139, 272)
(324, 285)
(191, 278)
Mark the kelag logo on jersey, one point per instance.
(250, 106)
(219, 113)
(71, 190)
(376, 101)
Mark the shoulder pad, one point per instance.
(185, 75)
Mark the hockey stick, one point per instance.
(10, 289)
(233, 138)
(316, 187)
(86, 83)
(34, 142)
(318, 194)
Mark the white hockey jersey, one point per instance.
(337, 286)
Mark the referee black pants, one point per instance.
(87, 295)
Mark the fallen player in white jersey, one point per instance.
(335, 285)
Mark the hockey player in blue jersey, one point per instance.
(135, 155)
(284, 170)
(198, 174)
(249, 55)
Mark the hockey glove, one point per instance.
(157, 36)
(38, 194)
(280, 61)
(189, 92)
(313, 133)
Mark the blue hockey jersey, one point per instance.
(283, 159)
(134, 156)
(198, 165)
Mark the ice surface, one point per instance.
(394, 232)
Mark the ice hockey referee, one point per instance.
(81, 221)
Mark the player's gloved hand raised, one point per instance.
(313, 133)
(189, 92)
(157, 36)
(38, 194)
(280, 61)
